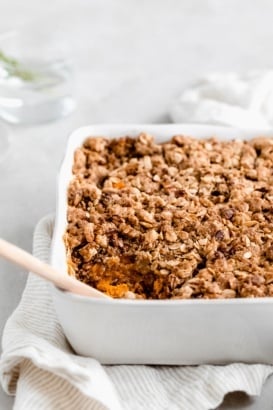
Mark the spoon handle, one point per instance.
(32, 264)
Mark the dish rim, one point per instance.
(95, 129)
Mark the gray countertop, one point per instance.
(132, 58)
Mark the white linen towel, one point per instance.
(238, 100)
(39, 366)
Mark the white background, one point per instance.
(132, 58)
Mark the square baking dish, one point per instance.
(177, 332)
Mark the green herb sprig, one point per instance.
(16, 69)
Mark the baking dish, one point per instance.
(158, 331)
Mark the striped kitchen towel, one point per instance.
(39, 367)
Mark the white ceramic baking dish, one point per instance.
(165, 331)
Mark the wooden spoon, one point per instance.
(32, 264)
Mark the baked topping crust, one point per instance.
(185, 219)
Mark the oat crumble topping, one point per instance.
(185, 219)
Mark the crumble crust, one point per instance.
(184, 219)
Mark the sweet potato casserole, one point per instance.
(185, 219)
